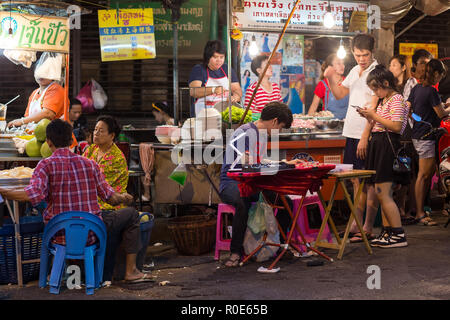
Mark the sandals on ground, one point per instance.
(232, 262)
(358, 237)
(407, 220)
(426, 221)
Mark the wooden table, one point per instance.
(341, 177)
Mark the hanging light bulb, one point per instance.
(328, 19)
(253, 49)
(341, 53)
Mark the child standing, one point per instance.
(387, 122)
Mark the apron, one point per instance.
(211, 100)
(36, 105)
(337, 107)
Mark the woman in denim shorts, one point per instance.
(426, 102)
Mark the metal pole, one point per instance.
(410, 25)
(175, 72)
(268, 62)
(229, 60)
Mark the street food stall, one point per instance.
(23, 36)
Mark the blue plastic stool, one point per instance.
(77, 225)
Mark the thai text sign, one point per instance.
(193, 26)
(127, 34)
(408, 49)
(37, 33)
(272, 14)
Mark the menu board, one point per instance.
(126, 34)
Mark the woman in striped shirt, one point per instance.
(267, 91)
(387, 122)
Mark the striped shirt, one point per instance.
(395, 109)
(68, 182)
(262, 97)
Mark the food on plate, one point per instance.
(17, 173)
(305, 124)
(324, 114)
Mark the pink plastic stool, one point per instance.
(222, 244)
(309, 233)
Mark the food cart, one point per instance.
(296, 61)
(28, 34)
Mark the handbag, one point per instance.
(402, 163)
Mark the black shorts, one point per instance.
(380, 157)
(350, 154)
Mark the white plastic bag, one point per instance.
(23, 57)
(49, 66)
(98, 95)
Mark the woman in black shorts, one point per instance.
(388, 121)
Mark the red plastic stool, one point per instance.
(310, 232)
(222, 244)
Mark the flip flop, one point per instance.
(350, 235)
(407, 220)
(145, 278)
(358, 237)
(429, 223)
(231, 263)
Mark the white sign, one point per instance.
(272, 14)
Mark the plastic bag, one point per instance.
(256, 221)
(23, 57)
(261, 219)
(85, 97)
(98, 95)
(49, 66)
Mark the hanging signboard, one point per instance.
(126, 34)
(37, 33)
(271, 15)
(193, 26)
(408, 49)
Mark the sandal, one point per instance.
(232, 262)
(407, 220)
(426, 221)
(350, 235)
(358, 237)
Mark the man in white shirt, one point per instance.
(357, 138)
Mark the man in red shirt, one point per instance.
(69, 182)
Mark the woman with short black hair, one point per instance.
(209, 81)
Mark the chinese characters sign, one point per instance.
(272, 14)
(128, 35)
(37, 33)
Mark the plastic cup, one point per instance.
(3, 116)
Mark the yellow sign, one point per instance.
(408, 49)
(126, 34)
(37, 33)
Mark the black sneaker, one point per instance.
(394, 240)
(384, 234)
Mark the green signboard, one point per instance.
(193, 26)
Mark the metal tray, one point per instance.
(14, 183)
